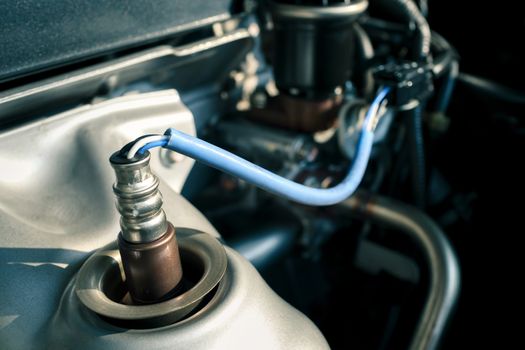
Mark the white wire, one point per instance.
(343, 131)
(143, 142)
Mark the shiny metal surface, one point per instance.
(243, 314)
(56, 203)
(39, 35)
(57, 207)
(70, 202)
(184, 67)
(105, 266)
(139, 201)
(442, 262)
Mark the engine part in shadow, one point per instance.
(267, 243)
(297, 113)
(443, 266)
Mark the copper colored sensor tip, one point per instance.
(153, 270)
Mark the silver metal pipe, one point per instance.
(442, 262)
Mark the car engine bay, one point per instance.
(274, 174)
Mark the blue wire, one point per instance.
(230, 163)
(236, 166)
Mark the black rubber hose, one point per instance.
(442, 51)
(492, 89)
(444, 95)
(365, 44)
(366, 50)
(414, 119)
(446, 56)
(411, 12)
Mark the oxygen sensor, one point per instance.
(147, 241)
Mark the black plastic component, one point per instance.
(120, 157)
(36, 34)
(409, 81)
(313, 46)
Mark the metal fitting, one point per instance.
(153, 270)
(147, 242)
(138, 199)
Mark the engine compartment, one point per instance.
(289, 86)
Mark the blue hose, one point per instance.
(230, 163)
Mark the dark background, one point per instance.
(483, 153)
